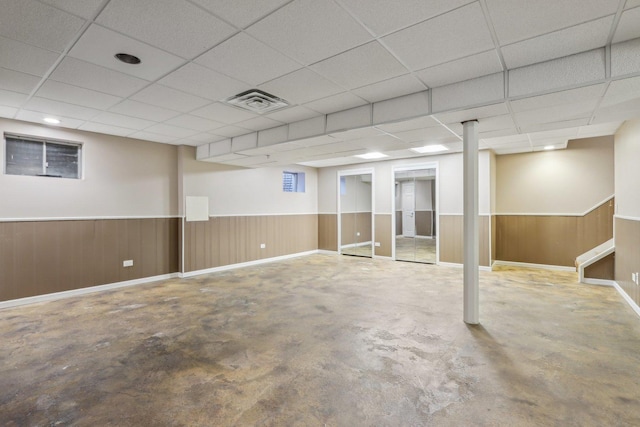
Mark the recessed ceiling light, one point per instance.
(128, 58)
(51, 120)
(371, 156)
(437, 148)
(549, 147)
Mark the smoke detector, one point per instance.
(257, 101)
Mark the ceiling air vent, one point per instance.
(257, 101)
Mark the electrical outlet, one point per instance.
(127, 263)
(263, 245)
(633, 277)
(377, 244)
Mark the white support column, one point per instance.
(471, 232)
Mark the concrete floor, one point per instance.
(325, 340)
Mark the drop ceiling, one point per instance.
(486, 60)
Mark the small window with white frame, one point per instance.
(34, 156)
(293, 182)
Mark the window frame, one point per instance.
(299, 184)
(44, 141)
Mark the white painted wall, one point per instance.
(627, 170)
(569, 181)
(122, 177)
(240, 191)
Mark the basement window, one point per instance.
(293, 182)
(42, 157)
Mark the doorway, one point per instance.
(355, 206)
(416, 218)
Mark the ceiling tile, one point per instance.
(98, 45)
(557, 113)
(166, 97)
(37, 117)
(230, 131)
(598, 130)
(12, 99)
(351, 134)
(536, 137)
(537, 127)
(516, 20)
(196, 123)
(201, 81)
(17, 82)
(143, 111)
(301, 86)
(620, 91)
(175, 131)
(25, 58)
(427, 134)
(223, 113)
(444, 38)
(629, 26)
(258, 123)
(149, 136)
(467, 68)
(201, 138)
(391, 88)
(86, 9)
(247, 59)
(560, 43)
(363, 65)
(625, 58)
(38, 24)
(630, 4)
(7, 112)
(420, 122)
(61, 108)
(292, 114)
(330, 104)
(583, 94)
(310, 30)
(495, 123)
(89, 76)
(383, 17)
(474, 113)
(76, 95)
(176, 26)
(119, 120)
(241, 13)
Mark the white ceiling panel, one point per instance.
(598, 130)
(148, 136)
(223, 113)
(557, 113)
(258, 123)
(86, 9)
(625, 58)
(201, 81)
(37, 117)
(310, 30)
(360, 66)
(620, 91)
(508, 139)
(582, 94)
(61, 108)
(25, 58)
(241, 13)
(110, 129)
(12, 99)
(482, 90)
(516, 20)
(391, 88)
(175, 131)
(515, 149)
(629, 26)
(176, 26)
(497, 132)
(473, 113)
(143, 111)
(119, 120)
(301, 86)
(38, 24)
(568, 41)
(17, 82)
(195, 123)
(419, 123)
(381, 143)
(89, 76)
(467, 68)
(496, 123)
(7, 112)
(630, 4)
(347, 135)
(564, 134)
(626, 110)
(383, 17)
(99, 46)
(554, 125)
(230, 131)
(247, 59)
(166, 97)
(425, 135)
(557, 145)
(76, 95)
(444, 38)
(204, 137)
(341, 101)
(317, 140)
(292, 114)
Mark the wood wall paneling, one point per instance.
(328, 232)
(627, 256)
(423, 223)
(602, 269)
(451, 239)
(383, 234)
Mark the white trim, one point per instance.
(456, 265)
(260, 214)
(82, 291)
(326, 252)
(529, 265)
(593, 208)
(598, 282)
(627, 298)
(596, 257)
(247, 264)
(86, 218)
(460, 214)
(628, 218)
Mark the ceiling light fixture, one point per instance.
(51, 120)
(549, 147)
(371, 156)
(437, 148)
(128, 58)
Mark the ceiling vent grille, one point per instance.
(257, 101)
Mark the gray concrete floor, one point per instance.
(325, 340)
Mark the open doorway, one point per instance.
(416, 218)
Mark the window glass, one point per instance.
(34, 157)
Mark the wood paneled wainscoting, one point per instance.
(43, 257)
(452, 239)
(229, 240)
(627, 259)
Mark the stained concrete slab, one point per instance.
(325, 340)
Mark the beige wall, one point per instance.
(627, 173)
(560, 182)
(122, 177)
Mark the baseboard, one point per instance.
(599, 282)
(539, 266)
(247, 264)
(627, 298)
(326, 252)
(456, 265)
(357, 245)
(82, 291)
